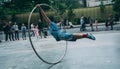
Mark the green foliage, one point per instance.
(76, 14)
(102, 7)
(21, 5)
(13, 18)
(63, 5)
(2, 13)
(70, 13)
(116, 6)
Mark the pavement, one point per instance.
(104, 53)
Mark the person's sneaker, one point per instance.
(90, 36)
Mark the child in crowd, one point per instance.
(36, 32)
(96, 24)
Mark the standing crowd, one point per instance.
(84, 20)
(12, 31)
(110, 21)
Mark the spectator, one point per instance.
(67, 22)
(36, 32)
(82, 23)
(23, 29)
(71, 25)
(85, 22)
(90, 21)
(32, 30)
(107, 24)
(111, 19)
(96, 24)
(15, 26)
(6, 30)
(11, 31)
(40, 27)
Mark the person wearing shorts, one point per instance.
(58, 34)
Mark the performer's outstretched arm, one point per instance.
(44, 15)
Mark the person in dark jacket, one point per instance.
(40, 27)
(111, 20)
(11, 31)
(6, 30)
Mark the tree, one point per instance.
(70, 13)
(3, 15)
(14, 18)
(20, 6)
(2, 12)
(116, 6)
(63, 5)
(102, 8)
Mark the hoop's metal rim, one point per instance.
(61, 58)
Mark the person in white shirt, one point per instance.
(15, 26)
(71, 25)
(32, 30)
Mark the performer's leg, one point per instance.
(79, 36)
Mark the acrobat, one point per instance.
(58, 34)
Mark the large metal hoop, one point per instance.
(29, 19)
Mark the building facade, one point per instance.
(92, 3)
